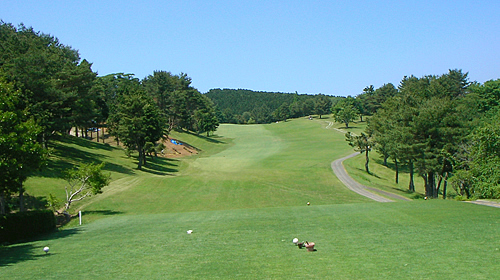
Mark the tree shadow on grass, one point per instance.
(368, 173)
(21, 252)
(65, 157)
(108, 166)
(213, 138)
(102, 212)
(348, 128)
(161, 166)
(84, 143)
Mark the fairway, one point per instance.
(252, 144)
(255, 166)
(244, 196)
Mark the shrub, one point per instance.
(26, 225)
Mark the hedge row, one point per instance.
(26, 225)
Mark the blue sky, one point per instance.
(329, 47)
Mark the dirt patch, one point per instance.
(174, 148)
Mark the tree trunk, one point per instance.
(2, 203)
(411, 186)
(397, 170)
(144, 162)
(445, 184)
(21, 199)
(367, 160)
(426, 185)
(430, 185)
(385, 160)
(433, 184)
(140, 160)
(438, 185)
(76, 131)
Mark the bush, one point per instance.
(26, 225)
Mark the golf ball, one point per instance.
(46, 249)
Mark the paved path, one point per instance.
(339, 170)
(486, 203)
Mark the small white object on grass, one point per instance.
(190, 231)
(295, 240)
(46, 249)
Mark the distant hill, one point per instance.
(247, 106)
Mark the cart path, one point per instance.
(340, 172)
(485, 203)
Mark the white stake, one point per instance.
(80, 216)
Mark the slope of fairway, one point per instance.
(275, 165)
(416, 240)
(252, 143)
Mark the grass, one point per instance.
(244, 196)
(409, 240)
(254, 166)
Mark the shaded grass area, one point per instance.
(408, 240)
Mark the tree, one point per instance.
(283, 112)
(322, 105)
(19, 152)
(361, 143)
(205, 117)
(49, 76)
(136, 121)
(346, 114)
(84, 181)
(423, 126)
(480, 177)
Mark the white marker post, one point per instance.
(80, 216)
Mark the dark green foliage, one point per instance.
(371, 100)
(322, 105)
(52, 82)
(26, 225)
(346, 110)
(480, 173)
(136, 120)
(424, 126)
(243, 106)
(19, 152)
(184, 106)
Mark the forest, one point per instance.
(47, 90)
(242, 106)
(442, 128)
